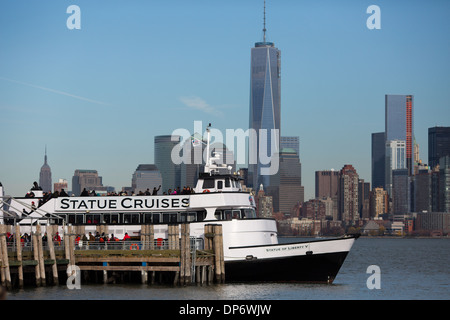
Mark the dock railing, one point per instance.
(188, 257)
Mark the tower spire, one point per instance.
(45, 157)
(264, 24)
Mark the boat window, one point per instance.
(59, 222)
(208, 184)
(147, 218)
(71, 218)
(201, 215)
(236, 214)
(79, 219)
(156, 217)
(218, 214)
(111, 218)
(227, 182)
(92, 218)
(192, 216)
(228, 215)
(249, 213)
(131, 218)
(219, 184)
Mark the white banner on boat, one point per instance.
(122, 204)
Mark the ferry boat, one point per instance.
(251, 248)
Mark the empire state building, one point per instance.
(45, 176)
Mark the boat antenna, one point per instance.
(264, 24)
(208, 134)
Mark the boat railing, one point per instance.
(156, 244)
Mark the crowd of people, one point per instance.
(175, 191)
(92, 193)
(80, 240)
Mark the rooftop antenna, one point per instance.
(264, 29)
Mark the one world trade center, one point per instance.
(265, 112)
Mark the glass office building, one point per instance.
(438, 144)
(395, 159)
(265, 109)
(399, 123)
(401, 191)
(378, 161)
(170, 172)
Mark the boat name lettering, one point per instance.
(123, 203)
(287, 248)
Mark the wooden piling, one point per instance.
(197, 274)
(222, 258)
(188, 253)
(51, 248)
(217, 254)
(144, 236)
(71, 246)
(144, 274)
(219, 263)
(35, 244)
(170, 236)
(41, 254)
(151, 236)
(19, 255)
(203, 280)
(185, 255)
(66, 241)
(144, 241)
(153, 277)
(5, 259)
(208, 238)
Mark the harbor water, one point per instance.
(409, 269)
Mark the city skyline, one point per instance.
(94, 96)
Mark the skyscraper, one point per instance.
(399, 123)
(290, 142)
(444, 184)
(45, 175)
(170, 172)
(438, 144)
(288, 190)
(379, 203)
(395, 158)
(327, 184)
(85, 179)
(265, 104)
(60, 185)
(364, 199)
(146, 176)
(348, 194)
(378, 161)
(401, 193)
(422, 190)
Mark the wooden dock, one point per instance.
(179, 262)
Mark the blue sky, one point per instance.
(97, 96)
